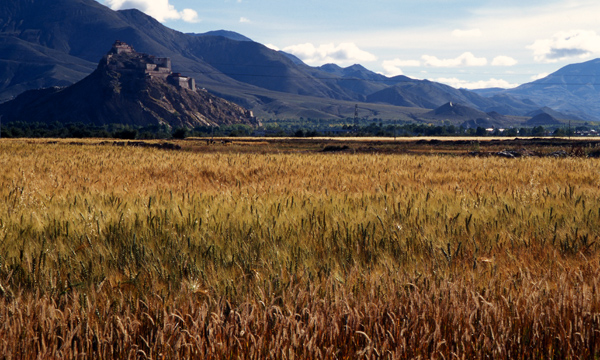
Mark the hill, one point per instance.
(468, 117)
(129, 88)
(428, 94)
(542, 119)
(452, 110)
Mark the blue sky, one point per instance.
(471, 44)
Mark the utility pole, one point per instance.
(356, 117)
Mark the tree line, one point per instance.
(273, 129)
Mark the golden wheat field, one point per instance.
(124, 252)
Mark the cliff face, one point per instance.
(127, 88)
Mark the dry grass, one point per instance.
(114, 252)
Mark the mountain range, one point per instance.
(573, 91)
(46, 43)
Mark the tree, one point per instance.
(538, 131)
(128, 134)
(180, 133)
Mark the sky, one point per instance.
(463, 43)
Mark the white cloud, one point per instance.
(482, 84)
(394, 67)
(504, 61)
(472, 33)
(330, 53)
(466, 59)
(189, 15)
(566, 44)
(161, 10)
(244, 20)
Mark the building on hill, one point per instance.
(181, 81)
(120, 47)
(124, 58)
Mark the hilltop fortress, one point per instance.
(129, 88)
(123, 58)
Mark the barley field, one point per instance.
(145, 253)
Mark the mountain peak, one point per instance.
(331, 67)
(355, 71)
(542, 119)
(454, 109)
(232, 35)
(357, 67)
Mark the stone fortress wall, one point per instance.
(151, 66)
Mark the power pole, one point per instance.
(356, 116)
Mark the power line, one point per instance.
(318, 68)
(380, 80)
(388, 80)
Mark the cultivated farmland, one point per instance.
(141, 252)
